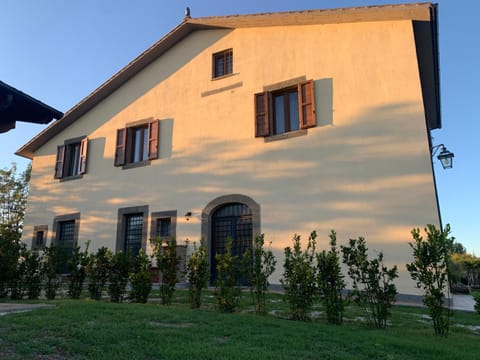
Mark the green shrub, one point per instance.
(19, 279)
(167, 262)
(77, 264)
(197, 274)
(33, 274)
(429, 270)
(98, 266)
(259, 265)
(119, 268)
(52, 262)
(227, 292)
(141, 278)
(298, 279)
(373, 287)
(477, 304)
(330, 281)
(9, 255)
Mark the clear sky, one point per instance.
(59, 51)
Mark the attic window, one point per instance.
(222, 63)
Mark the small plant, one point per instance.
(98, 266)
(119, 269)
(141, 278)
(429, 270)
(259, 265)
(77, 264)
(373, 287)
(298, 279)
(52, 262)
(197, 274)
(330, 281)
(33, 274)
(227, 292)
(167, 263)
(19, 280)
(477, 304)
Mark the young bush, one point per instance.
(197, 274)
(141, 278)
(19, 280)
(33, 274)
(429, 270)
(373, 287)
(77, 264)
(477, 304)
(227, 292)
(120, 264)
(330, 281)
(167, 263)
(98, 266)
(259, 265)
(298, 279)
(52, 262)
(9, 255)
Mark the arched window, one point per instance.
(231, 216)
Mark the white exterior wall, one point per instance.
(364, 170)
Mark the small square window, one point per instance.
(222, 63)
(39, 237)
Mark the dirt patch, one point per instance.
(171, 325)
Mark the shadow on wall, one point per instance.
(370, 177)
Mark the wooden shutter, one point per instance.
(120, 147)
(306, 101)
(262, 121)
(59, 162)
(153, 140)
(83, 156)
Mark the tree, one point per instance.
(13, 198)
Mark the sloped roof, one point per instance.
(414, 12)
(15, 106)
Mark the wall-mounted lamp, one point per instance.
(445, 156)
(188, 215)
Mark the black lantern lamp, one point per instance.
(445, 156)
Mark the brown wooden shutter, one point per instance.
(153, 140)
(59, 161)
(262, 121)
(306, 101)
(83, 156)
(120, 147)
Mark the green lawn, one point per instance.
(86, 329)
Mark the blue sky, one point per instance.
(59, 51)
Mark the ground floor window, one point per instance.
(132, 229)
(65, 237)
(39, 238)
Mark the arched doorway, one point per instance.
(232, 221)
(235, 216)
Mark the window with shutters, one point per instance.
(137, 144)
(71, 161)
(285, 110)
(222, 63)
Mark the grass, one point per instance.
(86, 329)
